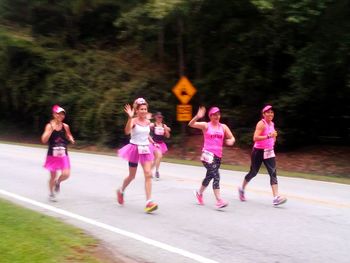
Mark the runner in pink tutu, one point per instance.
(138, 150)
(58, 135)
(215, 134)
(159, 131)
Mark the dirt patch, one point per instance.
(105, 255)
(99, 252)
(321, 160)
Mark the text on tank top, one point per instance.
(58, 143)
(139, 134)
(214, 139)
(266, 143)
(158, 133)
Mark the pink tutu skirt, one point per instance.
(130, 153)
(54, 163)
(161, 146)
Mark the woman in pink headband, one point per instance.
(57, 134)
(263, 152)
(215, 134)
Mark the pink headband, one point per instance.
(213, 110)
(140, 101)
(266, 108)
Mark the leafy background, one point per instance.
(93, 56)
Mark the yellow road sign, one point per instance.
(184, 90)
(183, 112)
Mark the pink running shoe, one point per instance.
(199, 198)
(278, 200)
(120, 197)
(221, 204)
(241, 194)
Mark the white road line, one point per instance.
(119, 231)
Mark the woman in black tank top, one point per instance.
(159, 132)
(57, 134)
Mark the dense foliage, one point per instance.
(93, 56)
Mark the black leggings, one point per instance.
(133, 164)
(257, 158)
(212, 173)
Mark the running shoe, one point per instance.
(57, 187)
(199, 198)
(278, 200)
(221, 204)
(241, 194)
(52, 198)
(150, 207)
(157, 175)
(120, 197)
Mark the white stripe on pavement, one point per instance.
(119, 231)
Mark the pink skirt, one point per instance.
(161, 146)
(130, 153)
(54, 163)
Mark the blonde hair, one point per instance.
(138, 102)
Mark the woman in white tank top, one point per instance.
(138, 150)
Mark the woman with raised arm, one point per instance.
(215, 134)
(138, 150)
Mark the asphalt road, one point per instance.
(313, 226)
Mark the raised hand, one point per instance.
(201, 112)
(129, 110)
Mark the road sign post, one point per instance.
(184, 91)
(183, 112)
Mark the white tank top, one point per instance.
(139, 135)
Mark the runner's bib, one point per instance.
(159, 130)
(207, 157)
(143, 149)
(269, 153)
(59, 151)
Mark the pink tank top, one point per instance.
(267, 143)
(214, 139)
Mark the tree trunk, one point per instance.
(199, 59)
(180, 48)
(161, 43)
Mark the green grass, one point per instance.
(27, 236)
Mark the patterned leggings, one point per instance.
(212, 173)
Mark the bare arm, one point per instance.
(128, 126)
(198, 125)
(151, 139)
(229, 138)
(258, 131)
(68, 133)
(130, 123)
(47, 133)
(167, 131)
